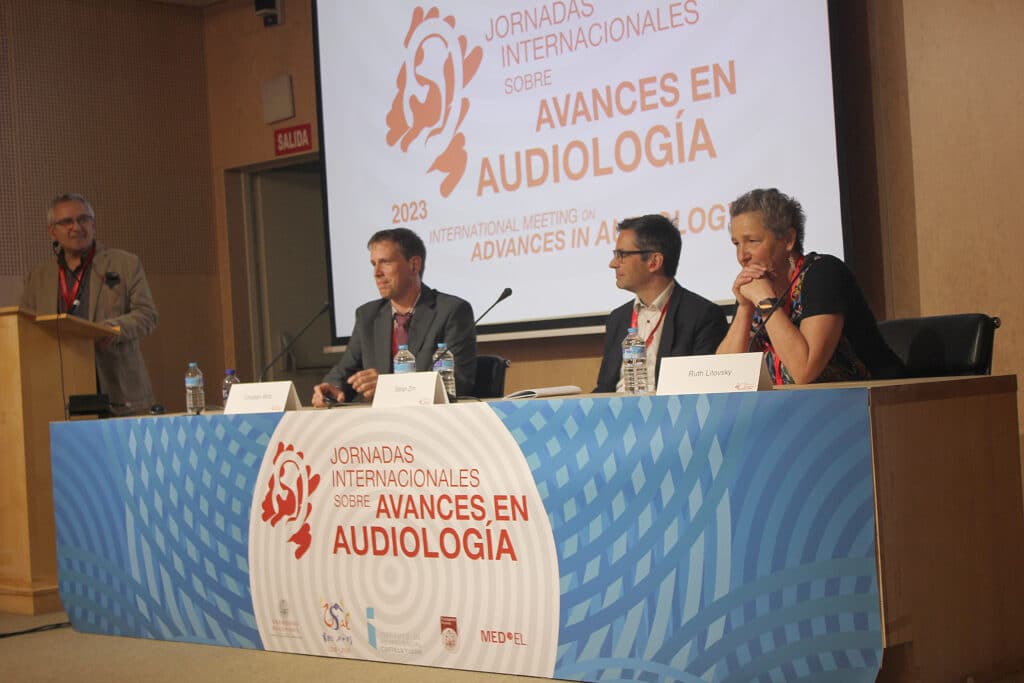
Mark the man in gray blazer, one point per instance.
(407, 309)
(106, 286)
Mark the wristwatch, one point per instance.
(765, 305)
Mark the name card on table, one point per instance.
(262, 397)
(713, 374)
(409, 389)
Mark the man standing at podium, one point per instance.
(105, 286)
(409, 313)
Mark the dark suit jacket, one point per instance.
(124, 300)
(438, 317)
(693, 326)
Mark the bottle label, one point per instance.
(404, 367)
(441, 365)
(193, 382)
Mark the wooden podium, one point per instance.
(32, 351)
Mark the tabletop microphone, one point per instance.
(506, 293)
(290, 344)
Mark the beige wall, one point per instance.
(241, 53)
(946, 94)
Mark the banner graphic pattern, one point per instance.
(152, 525)
(725, 537)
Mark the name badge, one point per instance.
(714, 374)
(262, 397)
(409, 389)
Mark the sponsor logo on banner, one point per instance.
(287, 498)
(495, 637)
(394, 644)
(438, 64)
(283, 626)
(450, 633)
(337, 624)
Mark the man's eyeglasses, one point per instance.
(83, 220)
(619, 254)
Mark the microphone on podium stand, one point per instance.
(506, 293)
(288, 347)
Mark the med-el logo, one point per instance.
(494, 637)
(287, 499)
(438, 65)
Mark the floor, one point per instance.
(63, 654)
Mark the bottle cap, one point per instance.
(229, 371)
(193, 365)
(442, 345)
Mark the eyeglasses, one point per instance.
(83, 220)
(619, 254)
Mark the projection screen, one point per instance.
(513, 136)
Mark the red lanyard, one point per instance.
(664, 310)
(787, 305)
(69, 297)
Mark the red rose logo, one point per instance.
(430, 82)
(288, 493)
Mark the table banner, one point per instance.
(710, 537)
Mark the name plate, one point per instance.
(409, 389)
(714, 374)
(262, 397)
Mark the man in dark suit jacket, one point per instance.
(673, 320)
(106, 286)
(430, 316)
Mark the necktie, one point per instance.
(401, 330)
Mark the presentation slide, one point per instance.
(512, 137)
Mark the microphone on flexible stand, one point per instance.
(506, 293)
(55, 248)
(288, 347)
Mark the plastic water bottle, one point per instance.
(444, 365)
(634, 363)
(230, 380)
(404, 360)
(195, 392)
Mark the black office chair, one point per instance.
(490, 376)
(943, 345)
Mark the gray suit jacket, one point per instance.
(118, 295)
(438, 317)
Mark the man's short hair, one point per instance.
(655, 232)
(779, 211)
(409, 243)
(67, 197)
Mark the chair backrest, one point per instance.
(942, 345)
(490, 376)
